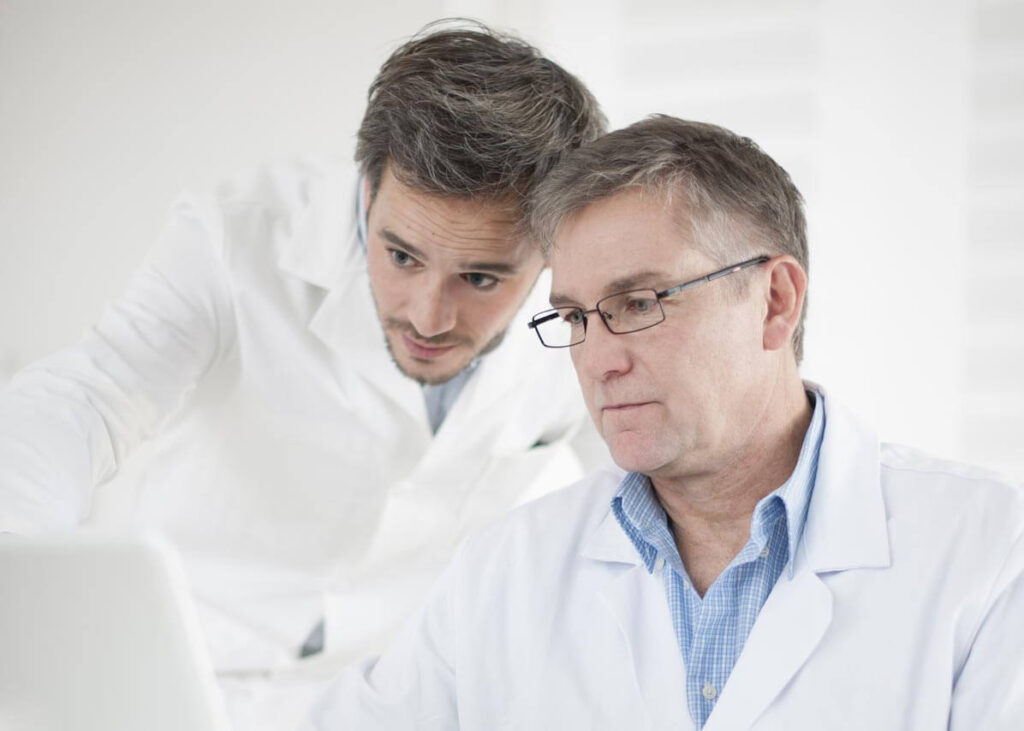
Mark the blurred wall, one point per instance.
(901, 121)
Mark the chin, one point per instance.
(427, 372)
(431, 374)
(637, 453)
(428, 375)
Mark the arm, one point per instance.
(988, 693)
(67, 421)
(411, 686)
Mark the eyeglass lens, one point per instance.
(623, 313)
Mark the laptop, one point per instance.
(98, 633)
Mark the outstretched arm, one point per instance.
(68, 421)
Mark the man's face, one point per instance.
(447, 276)
(680, 398)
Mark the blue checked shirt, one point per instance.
(712, 630)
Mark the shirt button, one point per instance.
(765, 552)
(709, 692)
(659, 564)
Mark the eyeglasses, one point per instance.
(621, 313)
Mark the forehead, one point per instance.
(464, 227)
(628, 240)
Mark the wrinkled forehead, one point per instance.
(623, 242)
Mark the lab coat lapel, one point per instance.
(347, 322)
(845, 530)
(325, 251)
(636, 601)
(791, 624)
(322, 242)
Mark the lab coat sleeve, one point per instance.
(989, 691)
(410, 686)
(68, 420)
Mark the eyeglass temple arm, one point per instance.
(742, 265)
(714, 275)
(532, 324)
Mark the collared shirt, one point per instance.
(441, 397)
(712, 630)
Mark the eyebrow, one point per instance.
(484, 267)
(397, 240)
(637, 280)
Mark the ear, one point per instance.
(788, 286)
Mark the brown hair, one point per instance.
(461, 110)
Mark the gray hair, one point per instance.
(461, 110)
(736, 200)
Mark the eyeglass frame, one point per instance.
(547, 315)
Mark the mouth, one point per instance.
(624, 407)
(423, 351)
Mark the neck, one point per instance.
(710, 512)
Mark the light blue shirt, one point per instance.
(712, 630)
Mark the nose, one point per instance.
(432, 310)
(602, 355)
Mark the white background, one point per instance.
(902, 121)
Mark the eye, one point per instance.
(640, 305)
(401, 259)
(573, 317)
(482, 282)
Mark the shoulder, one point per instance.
(297, 215)
(912, 474)
(277, 192)
(931, 502)
(284, 185)
(913, 481)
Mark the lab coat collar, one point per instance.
(846, 529)
(608, 542)
(846, 522)
(323, 242)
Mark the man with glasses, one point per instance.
(759, 561)
(330, 390)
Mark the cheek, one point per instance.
(493, 312)
(589, 389)
(385, 282)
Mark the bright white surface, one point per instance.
(101, 635)
(898, 120)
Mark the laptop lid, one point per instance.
(98, 633)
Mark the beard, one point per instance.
(404, 327)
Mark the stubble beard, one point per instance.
(399, 327)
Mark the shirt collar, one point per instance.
(644, 521)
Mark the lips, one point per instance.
(622, 407)
(423, 351)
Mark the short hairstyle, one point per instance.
(461, 110)
(736, 200)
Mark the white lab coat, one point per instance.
(906, 601)
(296, 470)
